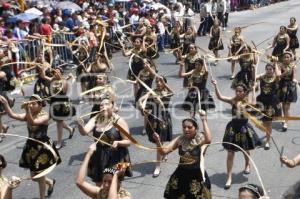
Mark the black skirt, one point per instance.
(294, 42)
(243, 77)
(106, 157)
(42, 88)
(269, 105)
(191, 100)
(61, 108)
(137, 65)
(287, 91)
(278, 51)
(37, 157)
(188, 184)
(163, 127)
(214, 44)
(241, 133)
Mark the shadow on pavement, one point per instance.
(219, 179)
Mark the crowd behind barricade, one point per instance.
(63, 25)
(50, 38)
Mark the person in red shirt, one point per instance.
(45, 28)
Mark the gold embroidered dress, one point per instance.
(36, 156)
(187, 181)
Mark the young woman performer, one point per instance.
(102, 126)
(246, 75)
(287, 85)
(237, 43)
(157, 118)
(268, 99)
(281, 43)
(238, 131)
(197, 78)
(137, 61)
(215, 42)
(292, 29)
(188, 180)
(189, 61)
(35, 156)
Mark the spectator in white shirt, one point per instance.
(161, 34)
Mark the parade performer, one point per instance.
(287, 85)
(292, 29)
(237, 43)
(99, 65)
(215, 42)
(150, 43)
(197, 79)
(103, 129)
(281, 43)
(246, 75)
(3, 92)
(111, 186)
(35, 156)
(268, 99)
(42, 86)
(238, 131)
(97, 96)
(137, 61)
(175, 40)
(188, 61)
(61, 108)
(188, 181)
(157, 118)
(189, 37)
(146, 75)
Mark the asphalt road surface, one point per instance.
(275, 178)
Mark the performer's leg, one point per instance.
(230, 158)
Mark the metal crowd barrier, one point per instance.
(28, 50)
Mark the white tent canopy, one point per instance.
(34, 11)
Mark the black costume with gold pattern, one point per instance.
(268, 100)
(189, 64)
(239, 131)
(215, 43)
(236, 44)
(147, 78)
(42, 86)
(175, 39)
(281, 44)
(287, 87)
(152, 52)
(199, 80)
(187, 180)
(60, 105)
(36, 156)
(187, 41)
(294, 42)
(245, 75)
(160, 117)
(137, 64)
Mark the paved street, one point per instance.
(276, 179)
